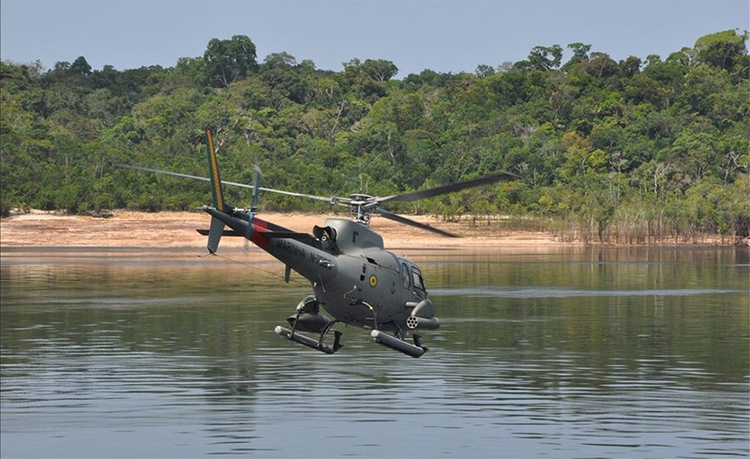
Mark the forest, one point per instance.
(644, 150)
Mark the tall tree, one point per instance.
(545, 58)
(379, 70)
(723, 49)
(229, 60)
(80, 66)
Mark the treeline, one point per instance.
(636, 151)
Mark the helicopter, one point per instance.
(352, 276)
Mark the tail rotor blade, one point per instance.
(256, 185)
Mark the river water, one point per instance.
(557, 353)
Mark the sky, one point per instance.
(444, 36)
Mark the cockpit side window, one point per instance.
(417, 279)
(405, 275)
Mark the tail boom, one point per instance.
(252, 230)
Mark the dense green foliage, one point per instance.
(631, 151)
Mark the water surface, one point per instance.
(550, 353)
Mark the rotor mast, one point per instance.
(360, 207)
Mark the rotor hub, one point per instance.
(361, 206)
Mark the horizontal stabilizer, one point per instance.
(301, 237)
(229, 233)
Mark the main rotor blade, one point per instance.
(406, 221)
(243, 185)
(423, 194)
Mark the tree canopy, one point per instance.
(632, 151)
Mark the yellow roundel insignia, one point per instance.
(373, 280)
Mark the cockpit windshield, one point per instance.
(417, 279)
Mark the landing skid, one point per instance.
(318, 345)
(414, 350)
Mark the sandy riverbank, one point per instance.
(177, 229)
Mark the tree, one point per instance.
(630, 66)
(600, 65)
(580, 53)
(280, 60)
(379, 70)
(229, 60)
(80, 66)
(722, 49)
(286, 78)
(545, 58)
(484, 70)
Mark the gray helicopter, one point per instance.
(353, 277)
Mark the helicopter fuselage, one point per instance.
(352, 276)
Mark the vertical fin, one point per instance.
(213, 169)
(214, 235)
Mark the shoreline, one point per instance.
(132, 229)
